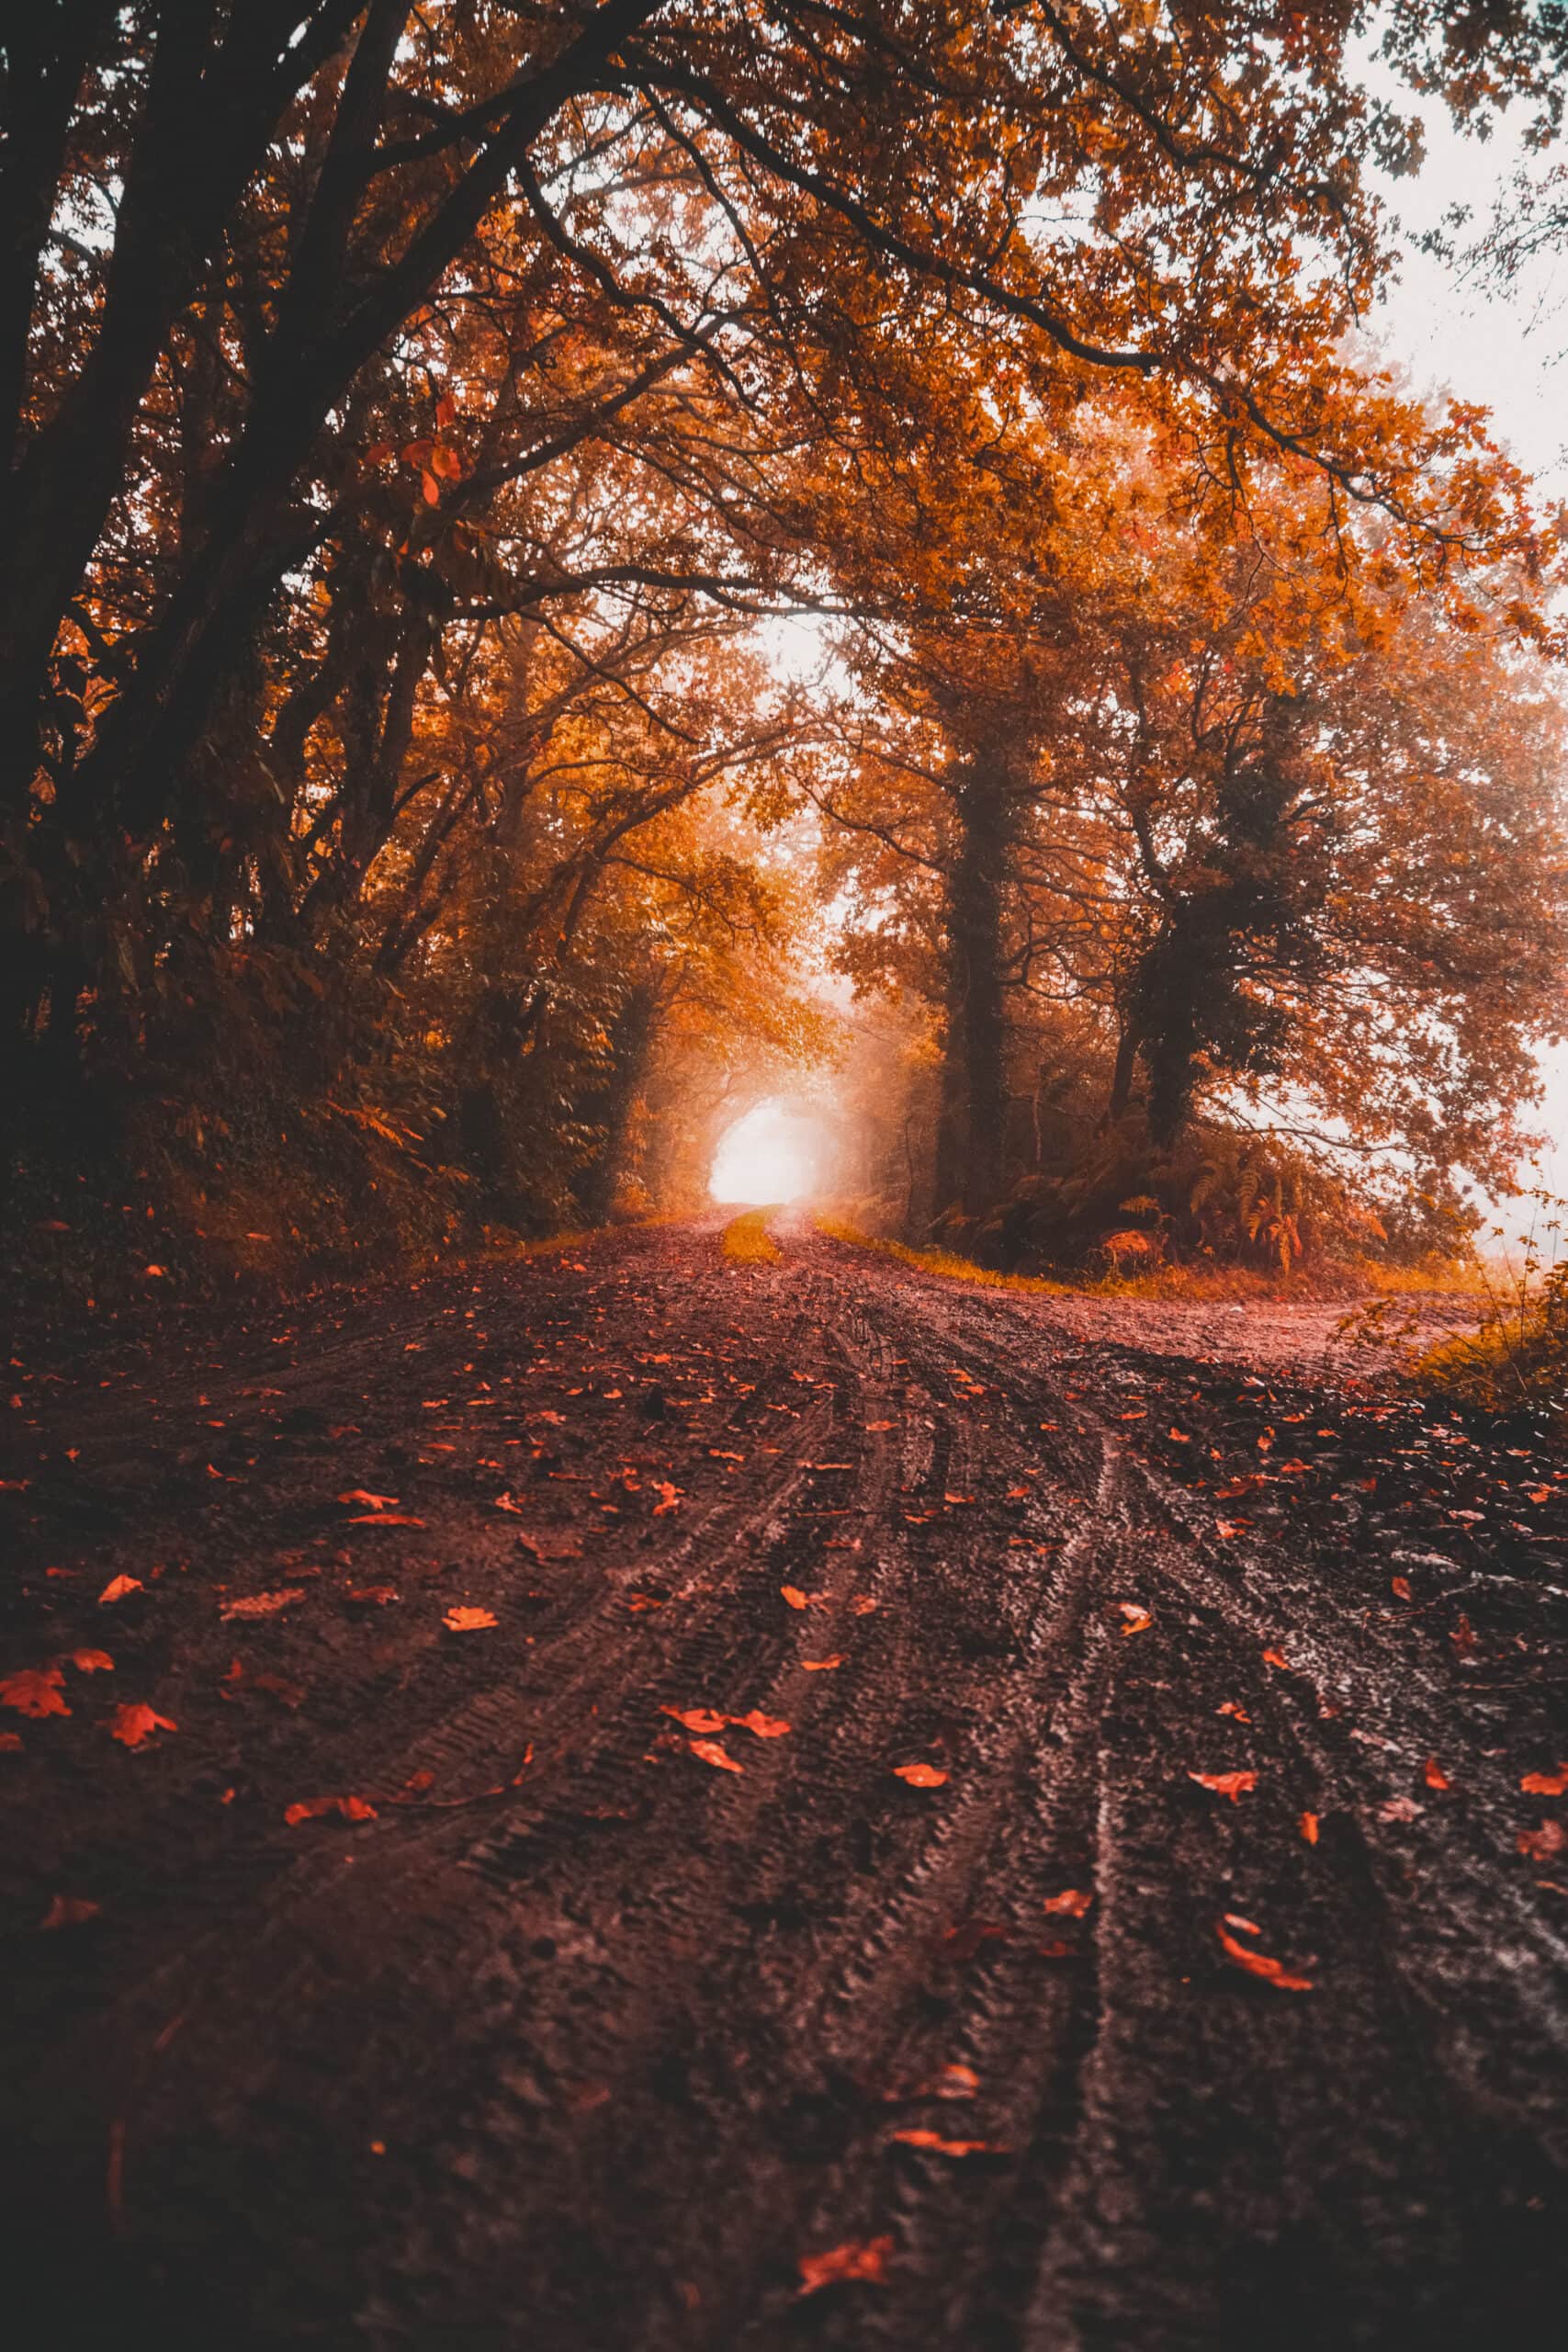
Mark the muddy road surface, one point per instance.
(734, 1808)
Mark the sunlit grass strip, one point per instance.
(747, 1241)
(940, 1261)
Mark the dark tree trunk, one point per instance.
(977, 1036)
(631, 1037)
(1121, 1076)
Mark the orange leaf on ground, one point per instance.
(861, 2258)
(118, 1586)
(1544, 1843)
(312, 1808)
(1435, 1776)
(710, 1752)
(881, 1425)
(1400, 1588)
(1074, 1900)
(373, 1596)
(371, 1502)
(1546, 1784)
(1229, 1707)
(384, 1519)
(133, 1722)
(68, 1911)
(701, 1719)
(1258, 1964)
(1137, 1618)
(469, 1621)
(1277, 1658)
(940, 2147)
(1225, 1784)
(863, 1604)
(92, 1661)
(264, 1604)
(794, 1595)
(35, 1691)
(1229, 1527)
(765, 1726)
(920, 1776)
(1309, 1827)
(669, 1497)
(822, 1665)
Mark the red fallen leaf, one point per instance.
(384, 1519)
(822, 1665)
(958, 1498)
(373, 1596)
(1234, 1491)
(1258, 1964)
(1137, 1618)
(1180, 1436)
(134, 1723)
(1400, 1588)
(312, 1809)
(1058, 1952)
(35, 1691)
(964, 1942)
(509, 1502)
(954, 2082)
(371, 1502)
(1229, 1527)
(710, 1752)
(701, 1719)
(1546, 1784)
(1074, 1900)
(794, 1595)
(863, 1604)
(765, 1726)
(264, 1604)
(469, 1621)
(940, 2147)
(1225, 1784)
(1277, 1658)
(861, 2258)
(1309, 1827)
(92, 1661)
(70, 1911)
(1462, 1635)
(1434, 1775)
(1538, 1494)
(1229, 1707)
(670, 1496)
(881, 1425)
(10, 1742)
(638, 1601)
(118, 1586)
(920, 1776)
(1541, 1844)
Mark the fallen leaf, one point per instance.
(35, 1691)
(822, 1665)
(863, 1604)
(1462, 1636)
(710, 1752)
(920, 1776)
(1258, 1964)
(701, 1719)
(92, 1661)
(1243, 1927)
(10, 1742)
(1229, 1707)
(373, 1596)
(384, 1519)
(1541, 1844)
(1225, 1784)
(670, 1496)
(881, 1425)
(940, 2147)
(68, 1911)
(763, 1726)
(264, 1604)
(312, 1809)
(1137, 1618)
(794, 1595)
(955, 2082)
(1546, 1784)
(371, 1502)
(1434, 1774)
(1277, 1658)
(1309, 1827)
(1229, 1527)
(861, 2258)
(118, 1586)
(469, 1621)
(134, 1723)
(1074, 1900)
(1400, 1588)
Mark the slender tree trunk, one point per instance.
(1121, 1076)
(631, 1039)
(976, 1019)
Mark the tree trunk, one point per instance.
(977, 1033)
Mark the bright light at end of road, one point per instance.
(770, 1155)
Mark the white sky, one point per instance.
(1450, 331)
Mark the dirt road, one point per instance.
(1196, 1990)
